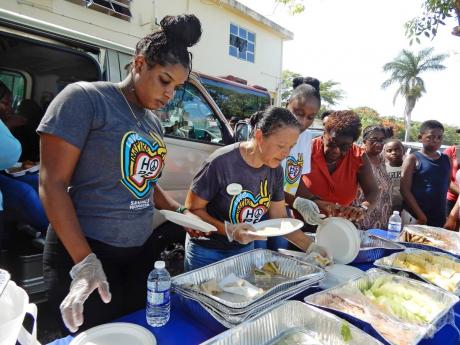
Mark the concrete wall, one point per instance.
(210, 55)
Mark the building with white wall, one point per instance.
(236, 40)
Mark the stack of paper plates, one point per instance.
(340, 238)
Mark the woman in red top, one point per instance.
(338, 167)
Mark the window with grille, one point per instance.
(114, 8)
(242, 43)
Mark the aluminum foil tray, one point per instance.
(278, 323)
(204, 311)
(292, 273)
(238, 315)
(442, 240)
(343, 300)
(388, 263)
(374, 247)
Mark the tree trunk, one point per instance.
(410, 104)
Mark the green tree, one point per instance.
(405, 71)
(435, 14)
(294, 6)
(330, 90)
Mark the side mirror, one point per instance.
(242, 131)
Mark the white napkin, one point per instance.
(238, 286)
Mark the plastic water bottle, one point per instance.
(158, 295)
(394, 226)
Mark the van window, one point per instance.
(16, 83)
(236, 101)
(188, 116)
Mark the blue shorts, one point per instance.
(197, 256)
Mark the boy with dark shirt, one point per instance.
(425, 178)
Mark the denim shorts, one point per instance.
(197, 256)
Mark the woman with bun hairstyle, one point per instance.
(102, 154)
(239, 184)
(304, 103)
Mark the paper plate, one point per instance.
(118, 333)
(338, 274)
(187, 221)
(276, 227)
(340, 238)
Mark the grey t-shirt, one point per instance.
(258, 187)
(119, 164)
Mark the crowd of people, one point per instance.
(95, 239)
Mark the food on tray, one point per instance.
(402, 301)
(438, 269)
(357, 307)
(267, 271)
(345, 332)
(432, 236)
(231, 284)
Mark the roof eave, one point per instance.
(285, 34)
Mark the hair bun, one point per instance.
(306, 80)
(184, 29)
(255, 118)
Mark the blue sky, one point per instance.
(350, 40)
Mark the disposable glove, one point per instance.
(87, 276)
(239, 233)
(309, 211)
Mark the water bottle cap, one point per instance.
(396, 212)
(159, 265)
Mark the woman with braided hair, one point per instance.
(102, 153)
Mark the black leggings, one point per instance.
(126, 270)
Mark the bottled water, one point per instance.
(394, 226)
(158, 295)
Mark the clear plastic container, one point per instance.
(394, 226)
(158, 296)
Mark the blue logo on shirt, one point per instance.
(247, 208)
(141, 162)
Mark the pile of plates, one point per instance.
(230, 309)
(340, 238)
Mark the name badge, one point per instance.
(234, 189)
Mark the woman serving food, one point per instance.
(239, 184)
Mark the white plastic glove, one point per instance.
(87, 276)
(239, 233)
(308, 210)
(317, 249)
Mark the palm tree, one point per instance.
(405, 71)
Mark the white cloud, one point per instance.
(350, 40)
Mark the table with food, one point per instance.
(373, 291)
